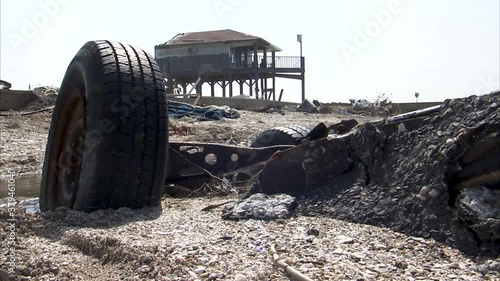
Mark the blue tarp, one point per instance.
(201, 113)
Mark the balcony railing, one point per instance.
(280, 62)
(287, 62)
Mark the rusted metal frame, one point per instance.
(192, 159)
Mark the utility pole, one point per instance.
(302, 68)
(299, 39)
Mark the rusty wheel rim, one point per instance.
(67, 152)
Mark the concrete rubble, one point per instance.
(47, 96)
(309, 106)
(382, 105)
(261, 207)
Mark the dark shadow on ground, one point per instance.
(53, 224)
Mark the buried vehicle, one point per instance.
(431, 173)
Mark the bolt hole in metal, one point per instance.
(211, 159)
(234, 157)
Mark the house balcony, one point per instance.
(219, 67)
(292, 63)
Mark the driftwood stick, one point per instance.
(211, 207)
(294, 273)
(26, 113)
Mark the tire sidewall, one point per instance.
(110, 111)
(83, 73)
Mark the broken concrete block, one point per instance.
(260, 206)
(317, 104)
(307, 106)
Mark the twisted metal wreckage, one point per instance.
(192, 164)
(117, 92)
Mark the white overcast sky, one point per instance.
(353, 48)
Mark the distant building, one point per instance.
(223, 57)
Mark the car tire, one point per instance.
(108, 139)
(283, 135)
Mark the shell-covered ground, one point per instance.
(180, 241)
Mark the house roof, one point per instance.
(215, 36)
